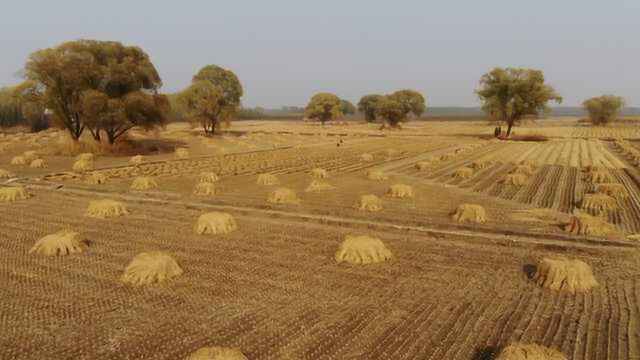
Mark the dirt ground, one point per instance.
(272, 288)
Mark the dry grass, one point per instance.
(215, 223)
(599, 202)
(530, 352)
(318, 173)
(136, 160)
(516, 179)
(522, 169)
(217, 353)
(470, 213)
(562, 274)
(86, 157)
(151, 267)
(400, 191)
(599, 177)
(362, 250)
(369, 203)
(283, 196)
(317, 185)
(617, 191)
(95, 179)
(267, 179)
(376, 175)
(584, 224)
(463, 173)
(208, 176)
(83, 165)
(13, 193)
(205, 189)
(62, 243)
(106, 208)
(182, 153)
(143, 183)
(5, 174)
(38, 164)
(18, 160)
(366, 157)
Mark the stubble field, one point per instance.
(273, 288)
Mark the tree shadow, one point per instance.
(529, 270)
(486, 353)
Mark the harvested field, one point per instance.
(448, 271)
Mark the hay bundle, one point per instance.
(208, 176)
(18, 160)
(529, 352)
(4, 174)
(317, 185)
(38, 164)
(599, 202)
(516, 179)
(617, 191)
(584, 224)
(13, 193)
(596, 168)
(182, 153)
(217, 353)
(362, 250)
(205, 189)
(151, 267)
(64, 242)
(400, 191)
(283, 196)
(463, 173)
(423, 165)
(530, 163)
(369, 203)
(391, 152)
(376, 175)
(470, 213)
(522, 169)
(600, 177)
(268, 179)
(366, 157)
(143, 183)
(86, 157)
(445, 157)
(95, 179)
(318, 173)
(215, 223)
(102, 209)
(30, 155)
(83, 165)
(562, 274)
(479, 164)
(136, 160)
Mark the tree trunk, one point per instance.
(111, 137)
(509, 126)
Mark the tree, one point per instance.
(324, 107)
(603, 109)
(204, 103)
(511, 94)
(411, 101)
(70, 75)
(218, 86)
(347, 107)
(367, 105)
(391, 110)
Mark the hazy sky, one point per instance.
(284, 51)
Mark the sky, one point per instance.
(284, 51)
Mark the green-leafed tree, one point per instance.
(204, 103)
(107, 76)
(367, 105)
(511, 94)
(603, 109)
(412, 102)
(212, 98)
(391, 111)
(347, 107)
(323, 107)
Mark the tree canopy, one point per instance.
(95, 84)
(212, 98)
(511, 94)
(396, 107)
(367, 105)
(323, 107)
(347, 107)
(603, 109)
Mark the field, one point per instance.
(452, 290)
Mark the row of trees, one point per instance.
(108, 88)
(393, 108)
